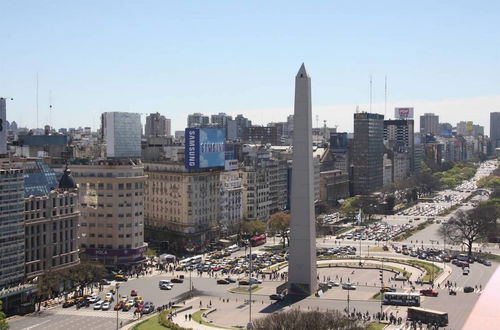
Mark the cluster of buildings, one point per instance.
(76, 194)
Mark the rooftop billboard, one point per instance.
(204, 147)
(403, 113)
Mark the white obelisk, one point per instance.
(302, 260)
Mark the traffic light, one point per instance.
(381, 275)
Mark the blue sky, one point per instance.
(179, 57)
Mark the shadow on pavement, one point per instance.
(288, 301)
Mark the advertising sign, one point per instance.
(231, 165)
(204, 147)
(403, 113)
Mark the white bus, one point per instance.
(186, 262)
(401, 299)
(196, 259)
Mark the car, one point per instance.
(105, 306)
(277, 296)
(429, 292)
(128, 305)
(149, 307)
(177, 280)
(94, 299)
(119, 306)
(166, 286)
(487, 263)
(109, 297)
(98, 305)
(104, 282)
(452, 293)
(468, 289)
(331, 284)
(243, 282)
(68, 303)
(133, 293)
(387, 289)
(465, 271)
(348, 286)
(222, 281)
(230, 280)
(254, 280)
(121, 278)
(138, 301)
(82, 303)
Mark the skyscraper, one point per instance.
(429, 124)
(399, 136)
(197, 120)
(122, 133)
(157, 125)
(495, 130)
(302, 263)
(368, 155)
(3, 126)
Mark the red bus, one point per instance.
(258, 240)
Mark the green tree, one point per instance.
(279, 222)
(47, 284)
(295, 319)
(254, 227)
(467, 227)
(85, 274)
(3, 322)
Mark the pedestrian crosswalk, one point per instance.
(94, 313)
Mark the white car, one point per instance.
(348, 286)
(333, 283)
(94, 298)
(254, 280)
(166, 286)
(109, 295)
(105, 306)
(98, 305)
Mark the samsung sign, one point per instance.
(204, 147)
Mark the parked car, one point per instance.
(128, 305)
(119, 306)
(104, 282)
(332, 284)
(133, 293)
(121, 278)
(222, 281)
(83, 303)
(429, 292)
(94, 299)
(138, 301)
(177, 280)
(230, 280)
(68, 303)
(452, 293)
(109, 297)
(105, 306)
(98, 305)
(149, 307)
(277, 296)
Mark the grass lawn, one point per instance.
(244, 289)
(431, 270)
(149, 324)
(376, 326)
(197, 317)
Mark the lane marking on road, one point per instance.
(36, 325)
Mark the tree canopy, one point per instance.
(254, 227)
(3, 322)
(279, 222)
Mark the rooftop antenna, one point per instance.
(37, 100)
(370, 93)
(385, 96)
(50, 108)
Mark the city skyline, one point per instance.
(183, 58)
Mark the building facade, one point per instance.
(400, 138)
(182, 205)
(12, 243)
(495, 130)
(261, 135)
(197, 120)
(51, 228)
(231, 203)
(429, 124)
(368, 152)
(111, 195)
(157, 125)
(122, 133)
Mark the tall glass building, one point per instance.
(122, 133)
(11, 227)
(368, 155)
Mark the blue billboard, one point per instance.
(204, 147)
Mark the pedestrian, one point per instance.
(185, 317)
(189, 317)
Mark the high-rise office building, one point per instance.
(12, 243)
(122, 133)
(368, 153)
(429, 124)
(495, 130)
(399, 136)
(197, 120)
(157, 125)
(3, 126)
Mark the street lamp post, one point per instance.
(381, 288)
(117, 299)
